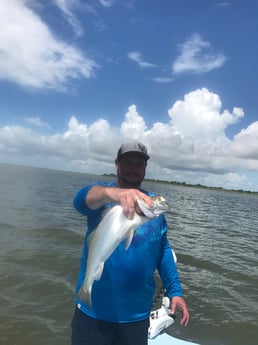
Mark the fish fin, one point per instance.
(129, 239)
(85, 296)
(99, 271)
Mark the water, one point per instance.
(213, 233)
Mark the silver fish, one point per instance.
(114, 228)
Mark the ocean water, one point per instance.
(214, 234)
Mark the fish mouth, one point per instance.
(163, 206)
(160, 202)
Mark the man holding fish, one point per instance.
(126, 241)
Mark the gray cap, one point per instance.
(133, 146)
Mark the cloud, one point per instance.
(162, 80)
(136, 57)
(68, 7)
(133, 126)
(106, 3)
(31, 56)
(222, 4)
(36, 121)
(191, 146)
(196, 56)
(201, 109)
(245, 144)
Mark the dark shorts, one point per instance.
(89, 331)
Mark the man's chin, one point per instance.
(132, 182)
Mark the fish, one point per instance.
(114, 228)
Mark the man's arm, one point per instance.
(98, 196)
(169, 275)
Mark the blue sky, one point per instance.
(79, 77)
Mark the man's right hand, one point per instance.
(126, 197)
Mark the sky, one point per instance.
(77, 78)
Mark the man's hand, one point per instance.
(179, 303)
(127, 199)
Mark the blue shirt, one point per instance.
(125, 291)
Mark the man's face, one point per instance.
(131, 170)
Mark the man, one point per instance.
(122, 298)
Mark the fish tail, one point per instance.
(85, 296)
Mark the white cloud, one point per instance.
(106, 3)
(30, 55)
(198, 116)
(68, 7)
(134, 125)
(245, 144)
(196, 56)
(162, 80)
(222, 4)
(137, 57)
(36, 121)
(191, 146)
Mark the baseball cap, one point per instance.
(133, 146)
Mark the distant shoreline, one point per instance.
(111, 175)
(184, 184)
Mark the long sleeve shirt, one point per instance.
(125, 291)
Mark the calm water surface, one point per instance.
(213, 233)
